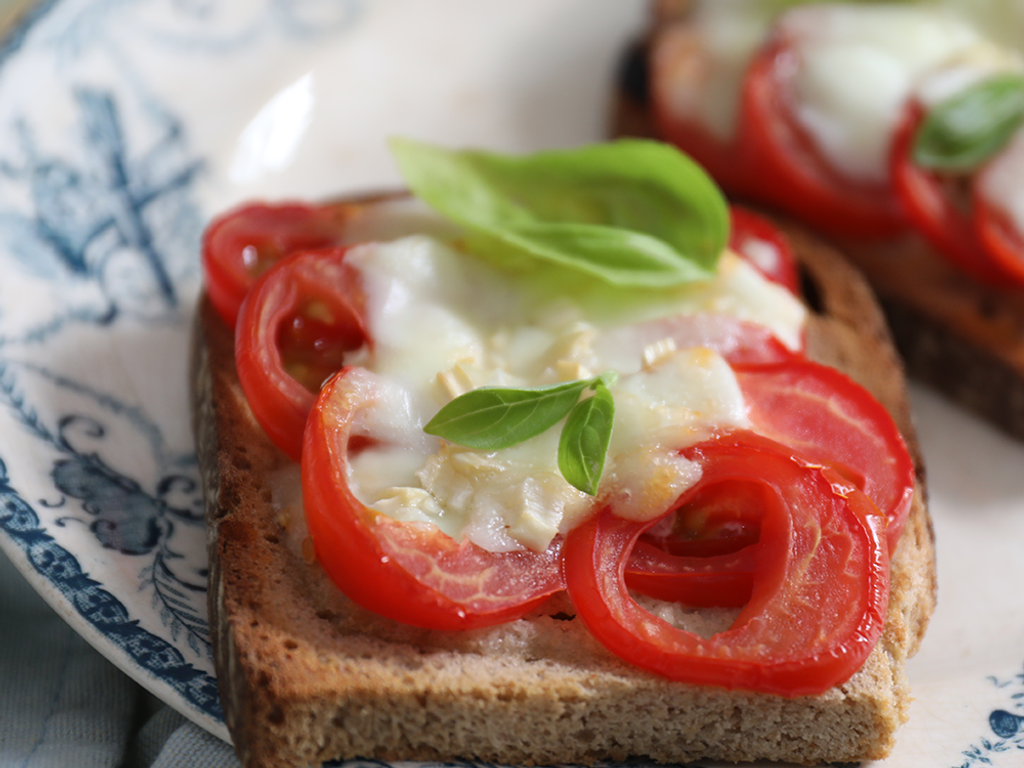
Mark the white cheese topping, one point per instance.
(443, 323)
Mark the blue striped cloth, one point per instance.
(63, 705)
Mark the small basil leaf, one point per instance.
(491, 418)
(599, 208)
(583, 445)
(608, 378)
(963, 131)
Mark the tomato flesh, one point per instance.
(1001, 240)
(701, 554)
(946, 224)
(828, 418)
(242, 244)
(819, 582)
(409, 572)
(761, 243)
(771, 160)
(711, 523)
(706, 581)
(825, 417)
(294, 330)
(792, 173)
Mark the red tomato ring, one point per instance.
(241, 244)
(828, 418)
(790, 172)
(747, 231)
(820, 582)
(946, 227)
(412, 573)
(679, 61)
(274, 306)
(717, 520)
(824, 416)
(1000, 239)
(821, 414)
(717, 580)
(730, 163)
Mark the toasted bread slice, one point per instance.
(308, 676)
(955, 333)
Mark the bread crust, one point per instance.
(307, 676)
(955, 333)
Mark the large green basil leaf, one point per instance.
(631, 212)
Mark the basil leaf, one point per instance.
(583, 445)
(619, 256)
(631, 212)
(963, 131)
(491, 418)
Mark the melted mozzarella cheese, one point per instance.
(680, 400)
(444, 323)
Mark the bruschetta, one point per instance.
(558, 460)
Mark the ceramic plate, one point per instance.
(127, 124)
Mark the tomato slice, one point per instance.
(732, 164)
(242, 244)
(998, 232)
(702, 553)
(772, 160)
(702, 582)
(707, 526)
(824, 416)
(294, 329)
(947, 225)
(716, 521)
(409, 572)
(791, 173)
(828, 418)
(761, 243)
(820, 581)
(1000, 239)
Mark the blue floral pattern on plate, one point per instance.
(1007, 728)
(126, 124)
(99, 236)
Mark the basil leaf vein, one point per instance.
(960, 133)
